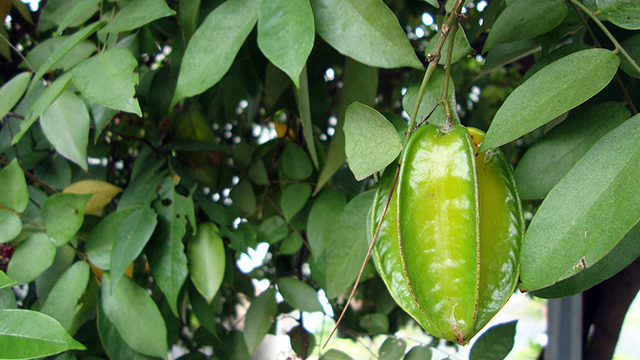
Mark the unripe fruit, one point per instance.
(449, 244)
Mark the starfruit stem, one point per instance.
(445, 100)
(433, 57)
(366, 259)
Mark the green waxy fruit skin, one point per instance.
(449, 244)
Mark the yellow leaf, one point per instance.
(103, 193)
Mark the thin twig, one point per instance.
(366, 259)
(18, 52)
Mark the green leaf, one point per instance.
(510, 52)
(63, 49)
(63, 302)
(365, 30)
(135, 316)
(302, 341)
(113, 344)
(587, 213)
(110, 79)
(31, 258)
(14, 194)
(347, 245)
(146, 176)
(294, 198)
(375, 323)
(188, 14)
(26, 334)
(48, 96)
(66, 125)
(304, 105)
(392, 349)
(324, 214)
(136, 14)
(286, 33)
(548, 160)
(549, 93)
(299, 294)
(243, 196)
(430, 99)
(258, 173)
(420, 352)
(5, 281)
(100, 243)
(55, 12)
(291, 244)
(12, 91)
(632, 46)
(625, 252)
(165, 251)
(10, 224)
(131, 237)
(295, 162)
(260, 318)
(623, 13)
(62, 261)
(81, 8)
(214, 46)
(333, 354)
(361, 85)
(206, 256)
(371, 141)
(524, 19)
(63, 215)
(495, 343)
(272, 230)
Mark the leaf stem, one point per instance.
(606, 31)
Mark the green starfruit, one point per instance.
(448, 247)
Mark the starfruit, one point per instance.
(448, 247)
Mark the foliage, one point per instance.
(150, 148)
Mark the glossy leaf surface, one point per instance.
(109, 79)
(133, 313)
(63, 215)
(136, 14)
(31, 258)
(546, 162)
(524, 19)
(371, 142)
(14, 194)
(214, 45)
(557, 88)
(346, 245)
(66, 124)
(12, 91)
(366, 31)
(623, 13)
(63, 302)
(286, 34)
(206, 256)
(165, 251)
(260, 318)
(132, 235)
(574, 226)
(299, 294)
(26, 334)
